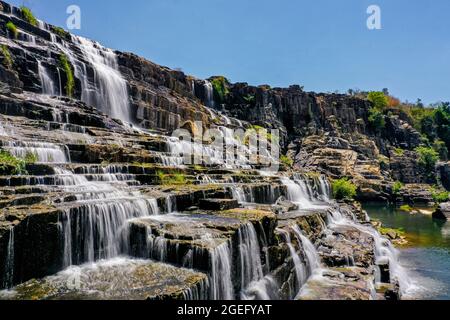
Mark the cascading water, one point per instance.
(249, 255)
(209, 94)
(384, 251)
(45, 152)
(221, 283)
(48, 85)
(110, 93)
(8, 277)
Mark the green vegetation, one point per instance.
(70, 80)
(285, 160)
(31, 157)
(406, 208)
(220, 88)
(249, 98)
(28, 15)
(61, 32)
(440, 147)
(7, 58)
(399, 152)
(427, 158)
(343, 189)
(378, 99)
(376, 119)
(11, 27)
(439, 195)
(176, 178)
(397, 187)
(7, 160)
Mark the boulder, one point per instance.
(442, 212)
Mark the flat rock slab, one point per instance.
(218, 204)
(349, 283)
(117, 279)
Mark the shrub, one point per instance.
(28, 15)
(397, 187)
(427, 158)
(7, 59)
(343, 189)
(8, 160)
(376, 119)
(220, 88)
(11, 27)
(285, 160)
(70, 80)
(378, 99)
(439, 196)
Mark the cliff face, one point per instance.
(329, 133)
(89, 172)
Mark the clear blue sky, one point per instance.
(321, 44)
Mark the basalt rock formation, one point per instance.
(92, 186)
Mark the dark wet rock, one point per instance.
(285, 205)
(218, 204)
(442, 212)
(346, 246)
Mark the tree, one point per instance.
(378, 99)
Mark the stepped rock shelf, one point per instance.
(107, 210)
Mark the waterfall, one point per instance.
(249, 255)
(45, 152)
(299, 267)
(384, 251)
(8, 278)
(106, 90)
(310, 250)
(209, 94)
(301, 192)
(48, 85)
(111, 93)
(221, 283)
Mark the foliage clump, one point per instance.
(428, 158)
(220, 88)
(343, 189)
(285, 160)
(28, 15)
(7, 58)
(397, 187)
(439, 195)
(7, 160)
(68, 70)
(11, 27)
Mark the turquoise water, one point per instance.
(427, 256)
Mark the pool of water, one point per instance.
(427, 256)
